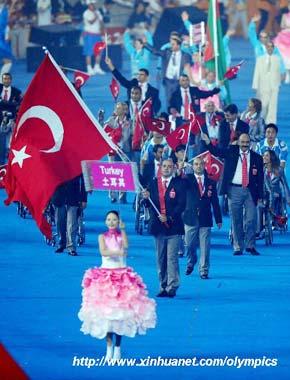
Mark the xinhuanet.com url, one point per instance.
(176, 362)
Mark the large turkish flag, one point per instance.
(54, 132)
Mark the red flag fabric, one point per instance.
(80, 79)
(138, 134)
(99, 47)
(178, 137)
(213, 165)
(158, 125)
(115, 134)
(146, 112)
(196, 122)
(115, 88)
(54, 132)
(9, 369)
(232, 72)
(3, 169)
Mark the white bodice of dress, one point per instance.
(113, 262)
(114, 242)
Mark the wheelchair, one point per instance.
(50, 217)
(141, 215)
(81, 234)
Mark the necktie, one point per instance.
(174, 59)
(233, 133)
(186, 105)
(5, 95)
(245, 177)
(165, 184)
(200, 187)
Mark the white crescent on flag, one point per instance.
(80, 79)
(2, 173)
(181, 133)
(160, 125)
(51, 119)
(216, 167)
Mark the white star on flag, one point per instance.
(19, 156)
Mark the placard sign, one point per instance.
(119, 176)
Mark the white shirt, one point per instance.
(197, 176)
(44, 12)
(144, 88)
(8, 89)
(95, 27)
(173, 71)
(237, 180)
(213, 132)
(157, 166)
(167, 181)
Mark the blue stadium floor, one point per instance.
(242, 311)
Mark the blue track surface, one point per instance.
(243, 310)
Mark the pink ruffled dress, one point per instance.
(115, 297)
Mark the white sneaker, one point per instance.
(117, 353)
(90, 70)
(109, 353)
(98, 70)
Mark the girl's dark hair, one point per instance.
(275, 162)
(113, 212)
(257, 104)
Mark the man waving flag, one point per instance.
(54, 132)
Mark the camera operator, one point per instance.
(6, 129)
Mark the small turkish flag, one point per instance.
(179, 137)
(99, 47)
(115, 134)
(146, 111)
(158, 125)
(115, 88)
(80, 79)
(213, 165)
(54, 132)
(195, 121)
(3, 170)
(232, 72)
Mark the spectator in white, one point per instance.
(43, 12)
(5, 48)
(266, 83)
(93, 23)
(239, 15)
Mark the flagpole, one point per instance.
(106, 42)
(215, 40)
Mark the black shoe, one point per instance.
(114, 200)
(72, 253)
(59, 250)
(162, 293)
(180, 254)
(253, 251)
(237, 253)
(204, 276)
(171, 293)
(189, 270)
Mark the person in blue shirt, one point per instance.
(139, 56)
(272, 142)
(259, 44)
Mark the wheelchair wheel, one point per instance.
(268, 229)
